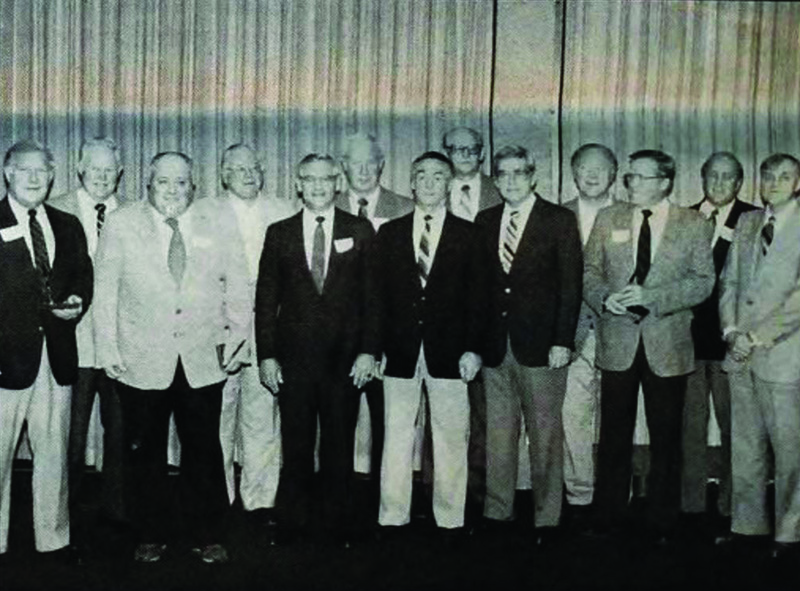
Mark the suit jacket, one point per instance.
(390, 205)
(447, 316)
(317, 334)
(535, 306)
(144, 321)
(761, 295)
(23, 323)
(706, 330)
(489, 196)
(681, 276)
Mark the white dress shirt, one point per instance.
(88, 213)
(372, 201)
(456, 191)
(658, 220)
(21, 213)
(707, 208)
(437, 223)
(587, 213)
(524, 210)
(310, 226)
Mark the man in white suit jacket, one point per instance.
(760, 317)
(172, 316)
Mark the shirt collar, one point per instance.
(311, 216)
(371, 197)
(706, 207)
(21, 212)
(523, 208)
(658, 209)
(89, 202)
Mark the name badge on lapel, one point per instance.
(619, 236)
(343, 245)
(11, 233)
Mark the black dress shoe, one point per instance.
(453, 538)
(262, 517)
(783, 551)
(66, 556)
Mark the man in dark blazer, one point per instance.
(536, 268)
(46, 279)
(312, 346)
(722, 178)
(430, 297)
(362, 162)
(647, 263)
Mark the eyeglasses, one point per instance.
(512, 175)
(630, 177)
(310, 180)
(464, 151)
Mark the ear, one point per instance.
(298, 186)
(339, 183)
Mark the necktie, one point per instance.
(176, 257)
(362, 208)
(643, 250)
(466, 202)
(318, 255)
(40, 257)
(101, 216)
(767, 234)
(510, 241)
(713, 217)
(424, 260)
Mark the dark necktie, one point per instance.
(362, 208)
(642, 259)
(767, 234)
(176, 257)
(101, 216)
(40, 257)
(466, 202)
(510, 241)
(318, 255)
(424, 260)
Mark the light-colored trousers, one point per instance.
(539, 391)
(250, 432)
(46, 407)
(762, 413)
(449, 416)
(579, 414)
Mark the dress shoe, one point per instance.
(453, 538)
(262, 517)
(782, 551)
(66, 556)
(149, 552)
(212, 554)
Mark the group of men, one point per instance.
(258, 322)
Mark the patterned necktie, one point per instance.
(510, 241)
(40, 257)
(362, 208)
(424, 260)
(176, 257)
(466, 202)
(767, 234)
(101, 216)
(643, 250)
(318, 255)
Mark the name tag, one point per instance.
(11, 233)
(343, 244)
(620, 236)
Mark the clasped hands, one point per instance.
(740, 345)
(631, 295)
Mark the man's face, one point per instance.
(171, 187)
(430, 182)
(464, 152)
(721, 183)
(779, 184)
(242, 173)
(29, 178)
(594, 174)
(100, 172)
(646, 186)
(513, 180)
(362, 169)
(317, 182)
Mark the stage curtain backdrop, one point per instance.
(288, 77)
(686, 77)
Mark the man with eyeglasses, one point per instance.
(46, 278)
(314, 350)
(647, 263)
(250, 422)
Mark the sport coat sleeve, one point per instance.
(108, 271)
(370, 297)
(268, 295)
(479, 293)
(570, 281)
(729, 281)
(81, 282)
(595, 287)
(237, 298)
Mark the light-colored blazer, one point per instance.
(761, 295)
(682, 275)
(144, 322)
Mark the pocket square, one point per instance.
(343, 244)
(11, 233)
(620, 235)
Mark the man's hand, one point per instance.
(613, 305)
(70, 308)
(635, 295)
(233, 357)
(115, 371)
(740, 345)
(469, 365)
(558, 357)
(363, 369)
(269, 372)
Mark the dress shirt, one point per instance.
(524, 210)
(251, 217)
(587, 212)
(706, 208)
(372, 201)
(309, 227)
(474, 195)
(437, 222)
(21, 213)
(657, 220)
(89, 216)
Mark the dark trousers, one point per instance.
(304, 399)
(663, 400)
(476, 455)
(90, 382)
(202, 492)
(374, 393)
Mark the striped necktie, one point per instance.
(101, 216)
(40, 256)
(424, 260)
(510, 241)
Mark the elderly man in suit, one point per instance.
(172, 313)
(536, 270)
(759, 306)
(250, 420)
(594, 169)
(722, 178)
(647, 263)
(99, 174)
(46, 278)
(313, 350)
(362, 162)
(430, 293)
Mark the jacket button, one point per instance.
(504, 314)
(508, 290)
(749, 302)
(178, 311)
